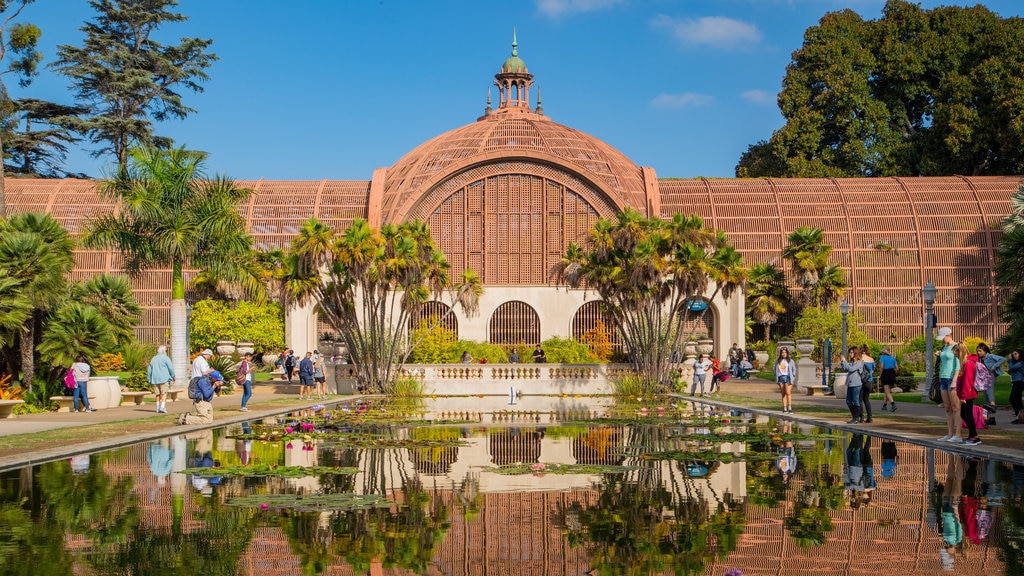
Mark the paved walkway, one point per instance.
(277, 397)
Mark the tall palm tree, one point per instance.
(808, 256)
(767, 296)
(37, 251)
(170, 215)
(15, 305)
(830, 287)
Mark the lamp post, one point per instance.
(844, 309)
(928, 294)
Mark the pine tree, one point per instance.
(20, 40)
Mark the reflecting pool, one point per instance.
(473, 486)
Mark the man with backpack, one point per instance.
(289, 365)
(201, 391)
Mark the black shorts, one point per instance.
(888, 377)
(319, 379)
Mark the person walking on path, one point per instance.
(245, 369)
(289, 365)
(868, 384)
(854, 383)
(1015, 366)
(994, 364)
(81, 371)
(319, 377)
(700, 373)
(966, 393)
(160, 374)
(785, 375)
(306, 376)
(888, 379)
(206, 387)
(949, 370)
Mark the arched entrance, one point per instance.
(594, 326)
(432, 312)
(514, 323)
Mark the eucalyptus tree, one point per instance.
(170, 215)
(767, 296)
(37, 251)
(367, 284)
(647, 271)
(127, 79)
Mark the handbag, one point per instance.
(934, 390)
(240, 375)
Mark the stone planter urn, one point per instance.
(245, 347)
(762, 358)
(104, 392)
(225, 347)
(705, 346)
(805, 346)
(787, 344)
(839, 384)
(690, 349)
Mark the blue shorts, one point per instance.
(305, 380)
(785, 380)
(945, 384)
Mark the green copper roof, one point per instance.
(514, 62)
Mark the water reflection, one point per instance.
(699, 493)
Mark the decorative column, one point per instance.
(805, 373)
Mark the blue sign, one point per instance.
(697, 305)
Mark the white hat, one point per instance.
(943, 332)
(207, 352)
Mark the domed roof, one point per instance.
(515, 135)
(514, 65)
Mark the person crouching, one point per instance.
(202, 409)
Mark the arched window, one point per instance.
(432, 312)
(515, 323)
(593, 324)
(699, 320)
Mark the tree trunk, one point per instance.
(767, 332)
(179, 329)
(3, 198)
(28, 366)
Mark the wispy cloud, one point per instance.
(558, 8)
(684, 100)
(714, 31)
(758, 96)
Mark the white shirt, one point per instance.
(702, 367)
(200, 366)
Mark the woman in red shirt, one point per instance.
(966, 393)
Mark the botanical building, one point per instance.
(504, 195)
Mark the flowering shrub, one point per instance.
(109, 363)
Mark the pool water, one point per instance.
(555, 485)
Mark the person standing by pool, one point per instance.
(245, 369)
(289, 365)
(867, 385)
(1015, 366)
(700, 373)
(785, 375)
(319, 377)
(888, 379)
(949, 370)
(966, 394)
(853, 382)
(994, 364)
(81, 371)
(306, 376)
(160, 374)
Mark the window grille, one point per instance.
(432, 312)
(586, 319)
(515, 323)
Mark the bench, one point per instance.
(815, 389)
(7, 408)
(137, 396)
(172, 393)
(65, 403)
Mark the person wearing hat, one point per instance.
(949, 369)
(888, 379)
(201, 365)
(203, 408)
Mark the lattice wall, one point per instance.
(433, 311)
(514, 323)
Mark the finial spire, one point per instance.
(540, 107)
(515, 45)
(487, 110)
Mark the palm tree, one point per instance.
(15, 305)
(112, 297)
(1010, 273)
(808, 256)
(75, 330)
(767, 296)
(830, 287)
(170, 215)
(36, 251)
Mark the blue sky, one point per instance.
(313, 89)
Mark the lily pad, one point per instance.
(312, 502)
(262, 471)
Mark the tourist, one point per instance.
(868, 384)
(319, 377)
(538, 355)
(160, 374)
(206, 387)
(966, 393)
(245, 370)
(306, 377)
(952, 530)
(81, 371)
(751, 356)
(854, 383)
(785, 375)
(854, 480)
(949, 369)
(1015, 366)
(889, 455)
(888, 379)
(201, 365)
(994, 364)
(289, 365)
(513, 358)
(466, 357)
(734, 357)
(700, 372)
(717, 376)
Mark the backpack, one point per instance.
(289, 362)
(69, 380)
(983, 378)
(865, 375)
(193, 388)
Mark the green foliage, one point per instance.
(137, 381)
(819, 324)
(136, 355)
(406, 387)
(34, 137)
(75, 330)
(128, 78)
(214, 320)
(915, 344)
(914, 93)
(493, 353)
(437, 346)
(767, 296)
(567, 351)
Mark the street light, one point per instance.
(928, 293)
(844, 309)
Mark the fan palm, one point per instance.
(15, 305)
(75, 330)
(767, 296)
(808, 256)
(36, 251)
(830, 287)
(170, 215)
(112, 297)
